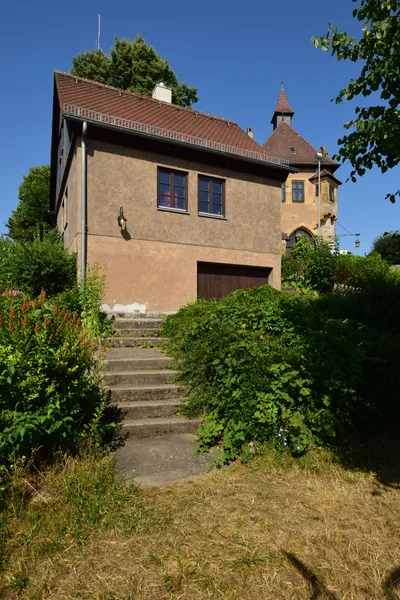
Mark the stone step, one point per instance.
(125, 378)
(137, 364)
(149, 409)
(135, 315)
(137, 333)
(159, 426)
(137, 393)
(133, 324)
(134, 342)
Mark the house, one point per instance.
(300, 190)
(176, 203)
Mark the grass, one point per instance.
(277, 528)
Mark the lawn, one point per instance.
(276, 528)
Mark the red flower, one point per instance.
(10, 326)
(25, 322)
(13, 314)
(37, 326)
(25, 306)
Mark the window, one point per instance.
(211, 196)
(172, 189)
(331, 193)
(65, 209)
(298, 191)
(292, 150)
(316, 189)
(295, 236)
(283, 192)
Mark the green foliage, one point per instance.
(86, 300)
(264, 366)
(388, 246)
(309, 268)
(30, 266)
(31, 218)
(49, 389)
(375, 139)
(134, 66)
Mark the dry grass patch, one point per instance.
(275, 529)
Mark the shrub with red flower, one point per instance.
(49, 385)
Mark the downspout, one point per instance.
(83, 204)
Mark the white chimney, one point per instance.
(161, 92)
(250, 132)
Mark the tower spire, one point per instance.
(283, 112)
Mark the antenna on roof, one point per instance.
(98, 34)
(282, 83)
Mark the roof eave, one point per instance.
(287, 168)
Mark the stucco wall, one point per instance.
(305, 214)
(154, 266)
(161, 276)
(68, 220)
(119, 176)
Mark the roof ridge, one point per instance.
(137, 94)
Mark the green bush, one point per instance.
(388, 246)
(49, 388)
(86, 300)
(263, 366)
(41, 264)
(310, 267)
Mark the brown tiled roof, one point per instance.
(283, 138)
(136, 107)
(326, 173)
(283, 104)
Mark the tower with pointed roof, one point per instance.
(300, 191)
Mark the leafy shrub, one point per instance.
(309, 267)
(49, 389)
(265, 366)
(388, 246)
(86, 300)
(41, 264)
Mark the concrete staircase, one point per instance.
(159, 445)
(140, 381)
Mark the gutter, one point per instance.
(73, 117)
(83, 204)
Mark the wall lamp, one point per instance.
(121, 219)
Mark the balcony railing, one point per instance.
(71, 110)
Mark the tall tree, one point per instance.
(31, 218)
(375, 139)
(388, 246)
(134, 66)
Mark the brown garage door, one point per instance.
(216, 280)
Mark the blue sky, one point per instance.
(235, 53)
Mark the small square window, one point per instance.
(292, 150)
(211, 196)
(172, 189)
(297, 191)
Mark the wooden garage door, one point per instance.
(215, 280)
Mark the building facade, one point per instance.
(299, 192)
(174, 203)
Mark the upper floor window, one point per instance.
(172, 189)
(298, 191)
(292, 150)
(211, 196)
(332, 193)
(283, 191)
(316, 189)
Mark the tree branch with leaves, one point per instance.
(375, 136)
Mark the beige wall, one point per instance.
(161, 276)
(305, 214)
(156, 269)
(127, 177)
(69, 216)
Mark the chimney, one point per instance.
(161, 92)
(250, 132)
